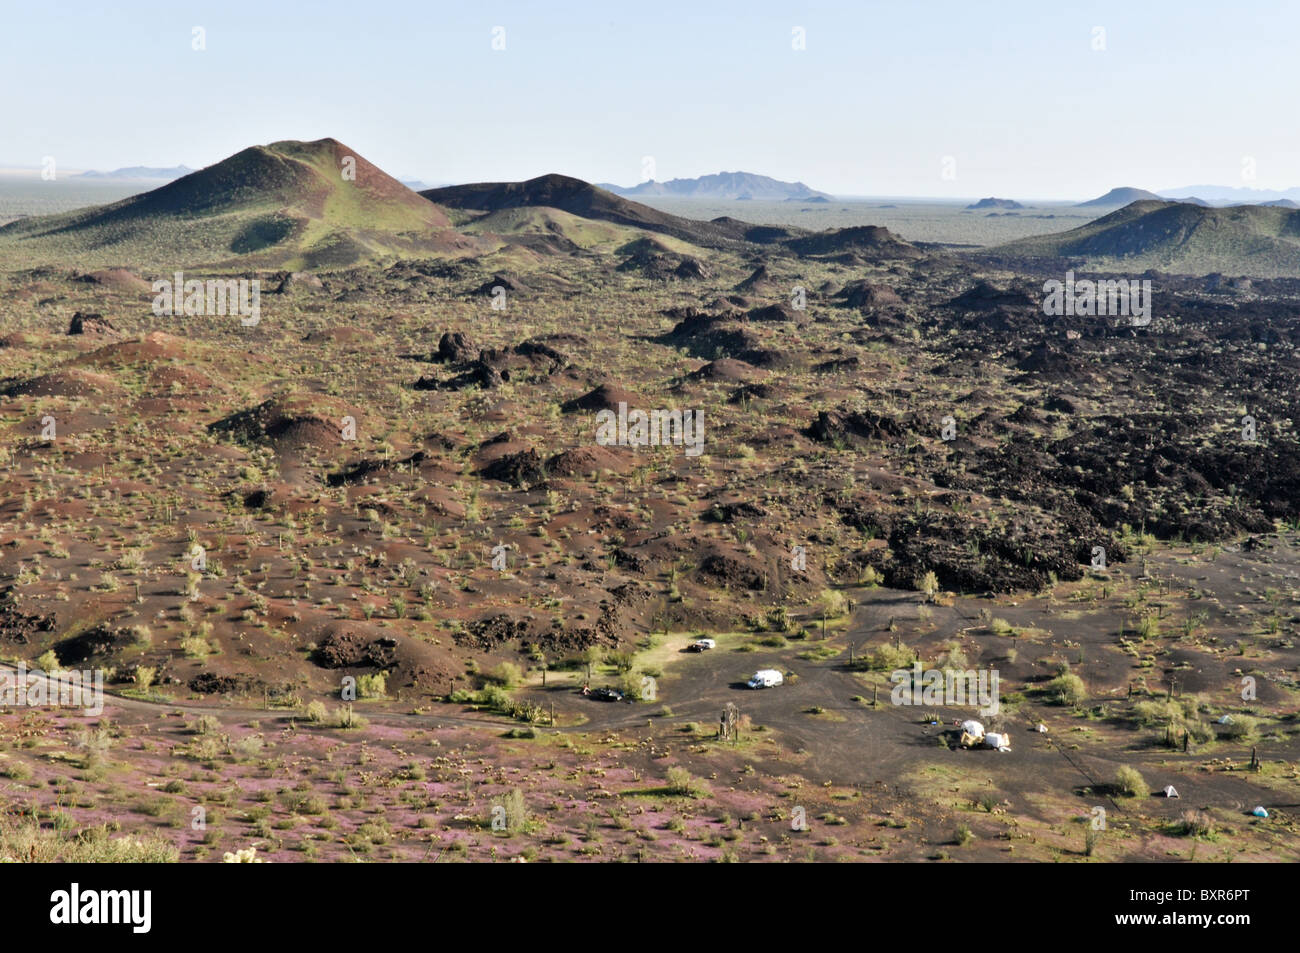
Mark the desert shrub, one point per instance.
(374, 831)
(1195, 824)
(247, 855)
(1148, 627)
(888, 658)
(195, 647)
(507, 675)
(494, 697)
(316, 712)
(1068, 689)
(250, 746)
(631, 685)
(1241, 728)
(206, 725)
(302, 802)
(205, 748)
(681, 782)
(23, 839)
(374, 685)
(1156, 713)
(345, 717)
(778, 620)
(1175, 717)
(1130, 783)
(16, 771)
(95, 742)
(831, 604)
(622, 661)
(953, 659)
(516, 810)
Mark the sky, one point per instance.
(1049, 99)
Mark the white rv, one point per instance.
(766, 678)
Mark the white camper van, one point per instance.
(766, 678)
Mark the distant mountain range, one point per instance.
(994, 203)
(731, 186)
(139, 172)
(1207, 196)
(286, 205)
(1230, 195)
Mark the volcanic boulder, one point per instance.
(90, 324)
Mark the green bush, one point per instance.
(507, 675)
(494, 697)
(373, 686)
(1130, 783)
(25, 840)
(1241, 728)
(1068, 689)
(888, 658)
(316, 712)
(681, 782)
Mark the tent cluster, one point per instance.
(973, 735)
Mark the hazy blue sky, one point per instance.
(1013, 91)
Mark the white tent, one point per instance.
(1170, 791)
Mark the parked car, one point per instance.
(766, 678)
(607, 695)
(702, 645)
